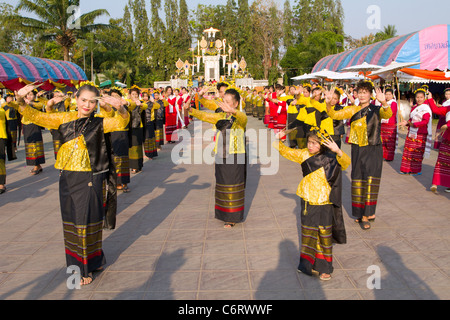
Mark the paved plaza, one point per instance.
(167, 244)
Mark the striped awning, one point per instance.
(429, 46)
(18, 70)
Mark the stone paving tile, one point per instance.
(167, 245)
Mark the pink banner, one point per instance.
(434, 48)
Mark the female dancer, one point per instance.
(136, 152)
(34, 145)
(120, 148)
(367, 148)
(419, 139)
(320, 191)
(389, 134)
(441, 176)
(160, 119)
(12, 120)
(230, 161)
(150, 148)
(6, 147)
(83, 163)
(171, 115)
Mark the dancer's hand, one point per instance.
(280, 134)
(381, 97)
(22, 93)
(331, 144)
(226, 108)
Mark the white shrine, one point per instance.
(215, 55)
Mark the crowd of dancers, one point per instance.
(100, 137)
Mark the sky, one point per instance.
(407, 15)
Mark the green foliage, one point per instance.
(143, 46)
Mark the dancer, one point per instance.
(419, 138)
(83, 163)
(320, 192)
(160, 119)
(303, 95)
(259, 101)
(7, 148)
(213, 104)
(338, 125)
(120, 147)
(441, 175)
(273, 109)
(230, 160)
(280, 101)
(12, 119)
(367, 148)
(150, 148)
(389, 132)
(59, 103)
(136, 153)
(186, 98)
(172, 114)
(32, 135)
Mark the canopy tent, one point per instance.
(108, 83)
(424, 76)
(330, 76)
(18, 70)
(429, 46)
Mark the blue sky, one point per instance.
(407, 16)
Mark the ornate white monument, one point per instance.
(215, 55)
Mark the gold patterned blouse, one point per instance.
(3, 134)
(314, 188)
(209, 104)
(73, 155)
(37, 105)
(358, 129)
(237, 131)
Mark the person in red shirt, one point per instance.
(389, 134)
(273, 108)
(441, 176)
(171, 115)
(280, 109)
(419, 139)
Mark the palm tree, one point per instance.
(56, 21)
(390, 31)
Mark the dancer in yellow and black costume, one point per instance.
(13, 122)
(313, 114)
(32, 135)
(7, 148)
(83, 161)
(367, 148)
(230, 159)
(59, 103)
(320, 191)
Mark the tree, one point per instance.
(243, 31)
(183, 26)
(389, 31)
(318, 16)
(288, 25)
(267, 34)
(7, 33)
(56, 21)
